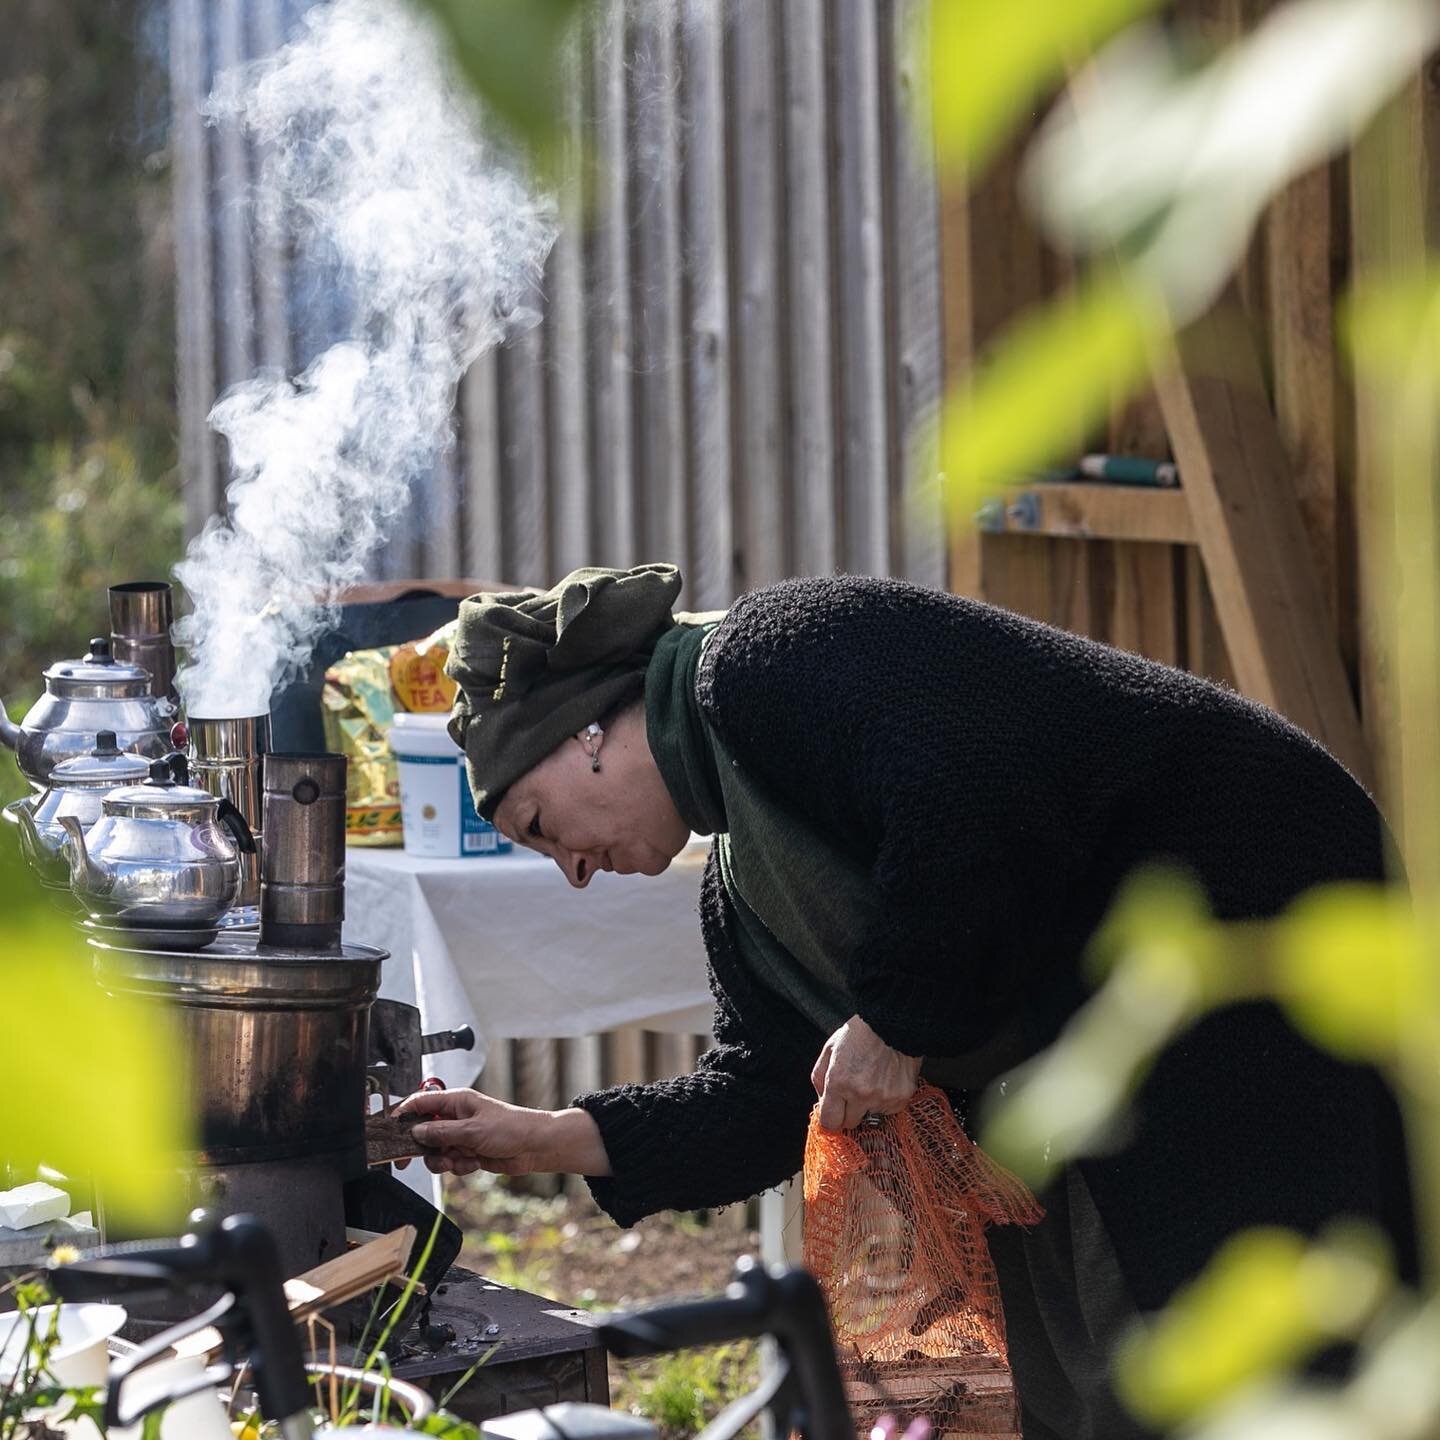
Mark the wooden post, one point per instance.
(915, 243)
(664, 518)
(861, 272)
(522, 417)
(480, 441)
(194, 318)
(712, 582)
(232, 213)
(1395, 220)
(811, 451)
(1235, 472)
(756, 238)
(611, 360)
(571, 517)
(271, 260)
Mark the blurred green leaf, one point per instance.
(988, 61)
(1266, 1300)
(1392, 328)
(1355, 970)
(513, 55)
(1051, 377)
(92, 1084)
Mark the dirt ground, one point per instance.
(565, 1248)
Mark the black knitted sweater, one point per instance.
(1000, 779)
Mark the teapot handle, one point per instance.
(234, 822)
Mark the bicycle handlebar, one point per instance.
(785, 1304)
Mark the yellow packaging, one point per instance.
(418, 678)
(357, 706)
(361, 694)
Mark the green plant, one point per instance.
(681, 1393)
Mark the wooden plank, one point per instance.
(610, 334)
(1303, 360)
(1018, 574)
(1096, 512)
(480, 443)
(522, 427)
(194, 327)
(861, 276)
(1203, 650)
(1394, 200)
(992, 268)
(498, 1076)
(655, 213)
(572, 536)
(756, 241)
(440, 532)
(1269, 601)
(915, 244)
(1143, 614)
(625, 1057)
(811, 421)
(712, 581)
(1077, 589)
(234, 268)
(272, 260)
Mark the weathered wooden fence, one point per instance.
(740, 350)
(739, 361)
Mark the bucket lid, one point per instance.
(423, 736)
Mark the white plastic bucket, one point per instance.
(436, 810)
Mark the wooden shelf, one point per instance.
(1092, 511)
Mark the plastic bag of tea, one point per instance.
(362, 692)
(417, 674)
(357, 706)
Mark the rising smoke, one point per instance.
(373, 150)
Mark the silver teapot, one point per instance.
(77, 787)
(162, 854)
(82, 698)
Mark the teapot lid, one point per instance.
(98, 675)
(162, 796)
(107, 766)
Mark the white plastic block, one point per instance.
(32, 1204)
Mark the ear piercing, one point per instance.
(592, 733)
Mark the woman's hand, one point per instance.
(473, 1132)
(858, 1074)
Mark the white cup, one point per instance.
(197, 1417)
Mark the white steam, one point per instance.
(373, 148)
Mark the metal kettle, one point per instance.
(77, 787)
(82, 698)
(162, 854)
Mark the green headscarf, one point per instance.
(534, 668)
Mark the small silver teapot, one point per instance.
(82, 698)
(77, 787)
(162, 854)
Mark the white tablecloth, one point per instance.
(505, 944)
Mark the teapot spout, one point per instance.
(9, 730)
(29, 835)
(85, 875)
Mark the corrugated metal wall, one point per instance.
(740, 353)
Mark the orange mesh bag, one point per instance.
(895, 1220)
